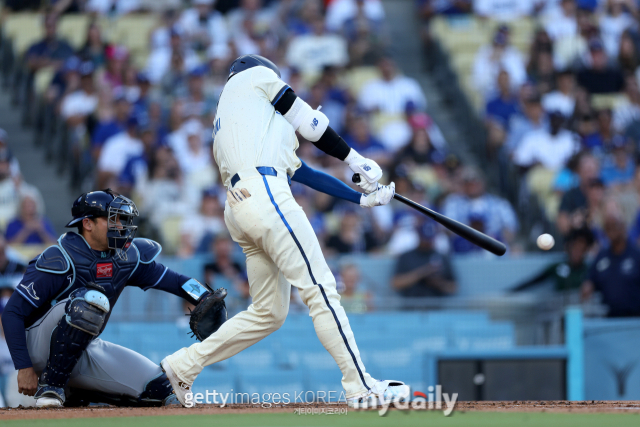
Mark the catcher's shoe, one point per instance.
(382, 391)
(49, 397)
(181, 389)
(170, 400)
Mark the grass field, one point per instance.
(353, 419)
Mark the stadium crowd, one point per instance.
(146, 130)
(565, 117)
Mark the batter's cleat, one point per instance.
(382, 391)
(49, 397)
(181, 389)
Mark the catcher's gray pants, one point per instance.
(103, 366)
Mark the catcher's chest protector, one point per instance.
(86, 265)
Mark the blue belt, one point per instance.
(262, 170)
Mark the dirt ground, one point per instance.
(511, 406)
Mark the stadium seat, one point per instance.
(73, 28)
(357, 77)
(23, 29)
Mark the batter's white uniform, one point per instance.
(275, 234)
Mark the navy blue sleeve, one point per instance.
(325, 183)
(157, 276)
(39, 288)
(13, 317)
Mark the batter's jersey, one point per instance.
(247, 131)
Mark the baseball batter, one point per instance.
(255, 149)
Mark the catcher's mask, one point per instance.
(121, 231)
(119, 211)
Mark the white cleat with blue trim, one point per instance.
(382, 391)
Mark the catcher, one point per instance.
(53, 320)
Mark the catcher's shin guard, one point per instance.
(86, 312)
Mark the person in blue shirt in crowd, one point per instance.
(30, 227)
(615, 272)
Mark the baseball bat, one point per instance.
(474, 236)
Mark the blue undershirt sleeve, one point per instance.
(325, 183)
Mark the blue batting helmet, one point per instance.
(249, 61)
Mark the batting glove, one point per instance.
(380, 197)
(369, 171)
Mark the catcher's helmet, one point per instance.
(119, 211)
(249, 61)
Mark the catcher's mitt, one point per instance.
(209, 314)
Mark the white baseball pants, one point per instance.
(282, 250)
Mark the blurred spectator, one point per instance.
(353, 299)
(563, 23)
(117, 151)
(572, 50)
(202, 27)
(599, 76)
(351, 238)
(117, 57)
(112, 7)
(11, 271)
(563, 98)
(200, 227)
(615, 272)
(618, 167)
(94, 47)
(198, 100)
(30, 227)
(391, 93)
(366, 36)
(164, 195)
(430, 8)
(420, 151)
(174, 80)
(505, 105)
(359, 137)
(5, 152)
(172, 57)
(570, 273)
(135, 174)
(474, 205)
(114, 123)
(223, 262)
(628, 111)
(618, 17)
(51, 50)
(541, 72)
(423, 272)
(490, 60)
(628, 56)
(77, 106)
(340, 11)
(311, 52)
(502, 10)
(532, 119)
(573, 212)
(9, 192)
(550, 149)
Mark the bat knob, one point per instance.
(355, 178)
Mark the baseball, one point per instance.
(545, 241)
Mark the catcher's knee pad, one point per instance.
(86, 310)
(157, 390)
